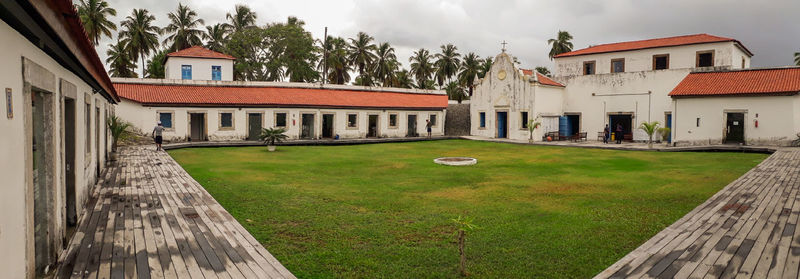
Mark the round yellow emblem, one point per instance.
(501, 75)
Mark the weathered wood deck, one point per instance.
(148, 218)
(747, 230)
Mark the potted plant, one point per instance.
(649, 128)
(664, 132)
(533, 124)
(272, 135)
(119, 130)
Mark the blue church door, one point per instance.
(502, 127)
(669, 125)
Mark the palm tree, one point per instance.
(216, 36)
(402, 79)
(93, 15)
(140, 34)
(421, 67)
(386, 64)
(338, 66)
(361, 55)
(447, 63)
(455, 92)
(470, 68)
(182, 29)
(650, 129)
(561, 44)
(241, 18)
(119, 61)
(797, 58)
(486, 66)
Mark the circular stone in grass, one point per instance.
(456, 161)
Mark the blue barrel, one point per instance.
(563, 126)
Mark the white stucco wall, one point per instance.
(777, 119)
(13, 200)
(145, 118)
(726, 54)
(201, 67)
(513, 94)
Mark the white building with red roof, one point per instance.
(199, 63)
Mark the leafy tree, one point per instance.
(561, 44)
(470, 68)
(361, 55)
(649, 128)
(456, 92)
(248, 47)
(120, 64)
(421, 67)
(543, 70)
(797, 58)
(140, 34)
(182, 29)
(292, 50)
(386, 64)
(338, 65)
(216, 37)
(486, 66)
(402, 79)
(447, 63)
(242, 18)
(155, 66)
(427, 84)
(93, 15)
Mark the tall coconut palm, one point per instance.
(361, 55)
(386, 64)
(338, 65)
(216, 36)
(561, 44)
(421, 66)
(455, 92)
(182, 29)
(470, 67)
(447, 63)
(402, 79)
(797, 58)
(486, 66)
(243, 17)
(93, 15)
(119, 60)
(140, 34)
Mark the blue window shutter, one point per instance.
(166, 119)
(186, 71)
(216, 73)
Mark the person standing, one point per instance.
(618, 135)
(428, 126)
(606, 133)
(157, 135)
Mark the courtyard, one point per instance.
(387, 209)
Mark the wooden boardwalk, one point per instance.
(747, 230)
(148, 218)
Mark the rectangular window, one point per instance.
(352, 120)
(698, 122)
(216, 73)
(661, 62)
(280, 119)
(743, 63)
(393, 120)
(705, 58)
(225, 120)
(186, 71)
(524, 119)
(588, 68)
(483, 120)
(618, 65)
(166, 119)
(88, 116)
(432, 117)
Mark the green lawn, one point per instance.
(385, 210)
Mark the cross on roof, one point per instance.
(504, 45)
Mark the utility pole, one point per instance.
(325, 57)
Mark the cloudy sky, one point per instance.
(770, 29)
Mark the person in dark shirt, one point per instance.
(618, 136)
(428, 126)
(157, 135)
(606, 133)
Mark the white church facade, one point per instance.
(633, 82)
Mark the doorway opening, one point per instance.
(197, 126)
(307, 129)
(43, 174)
(734, 132)
(668, 124)
(412, 126)
(71, 216)
(254, 126)
(96, 143)
(372, 126)
(626, 121)
(502, 124)
(327, 126)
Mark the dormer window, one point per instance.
(661, 62)
(588, 67)
(705, 58)
(618, 65)
(186, 71)
(216, 73)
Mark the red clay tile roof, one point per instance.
(542, 78)
(653, 43)
(776, 81)
(200, 52)
(153, 94)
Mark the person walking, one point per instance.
(618, 135)
(428, 126)
(157, 135)
(606, 133)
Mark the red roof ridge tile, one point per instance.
(200, 52)
(691, 39)
(740, 82)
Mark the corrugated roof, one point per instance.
(653, 43)
(200, 52)
(774, 81)
(196, 95)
